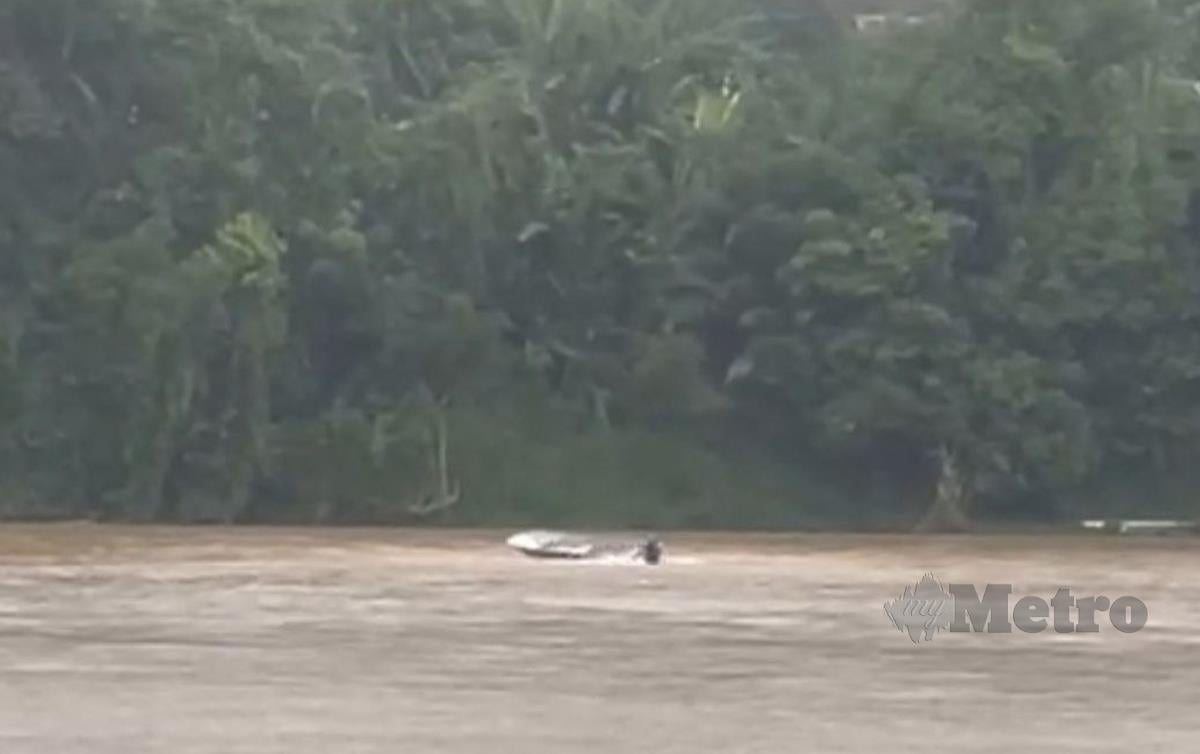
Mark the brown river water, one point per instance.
(280, 641)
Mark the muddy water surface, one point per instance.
(217, 641)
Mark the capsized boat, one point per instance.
(554, 545)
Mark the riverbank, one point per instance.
(515, 472)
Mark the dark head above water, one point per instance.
(652, 551)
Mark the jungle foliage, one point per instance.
(615, 261)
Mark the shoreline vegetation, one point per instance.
(54, 536)
(659, 264)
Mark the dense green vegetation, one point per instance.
(620, 262)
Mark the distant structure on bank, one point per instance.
(878, 23)
(862, 16)
(879, 16)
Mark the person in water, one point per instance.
(652, 551)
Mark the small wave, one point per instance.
(605, 560)
(624, 559)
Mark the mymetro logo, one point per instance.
(929, 608)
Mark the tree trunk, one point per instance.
(948, 514)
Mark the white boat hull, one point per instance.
(553, 545)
